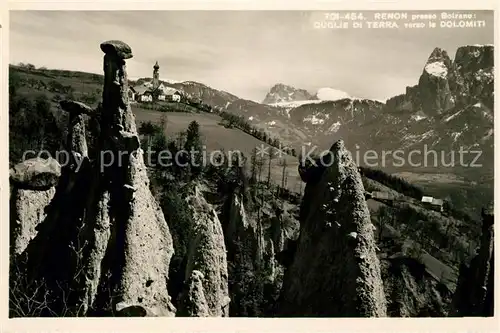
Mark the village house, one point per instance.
(172, 95)
(432, 203)
(131, 94)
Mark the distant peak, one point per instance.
(437, 50)
(281, 92)
(438, 54)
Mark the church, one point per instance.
(154, 91)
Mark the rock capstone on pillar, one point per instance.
(76, 141)
(118, 115)
(148, 247)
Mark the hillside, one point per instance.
(85, 87)
(217, 137)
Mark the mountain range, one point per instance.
(450, 106)
(448, 109)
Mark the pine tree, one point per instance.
(271, 156)
(260, 166)
(283, 174)
(164, 122)
(193, 147)
(253, 166)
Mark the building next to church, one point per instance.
(154, 90)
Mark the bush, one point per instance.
(32, 126)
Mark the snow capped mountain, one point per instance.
(436, 68)
(295, 104)
(290, 100)
(330, 94)
(451, 105)
(282, 93)
(322, 95)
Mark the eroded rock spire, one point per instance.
(335, 272)
(147, 241)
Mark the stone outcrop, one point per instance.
(243, 231)
(148, 245)
(27, 211)
(445, 84)
(207, 255)
(278, 235)
(36, 174)
(335, 271)
(474, 295)
(253, 272)
(33, 184)
(104, 246)
(76, 141)
(472, 79)
(434, 88)
(194, 302)
(246, 246)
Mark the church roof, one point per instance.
(147, 86)
(169, 91)
(141, 89)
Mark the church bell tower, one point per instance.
(156, 76)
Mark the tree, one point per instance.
(159, 144)
(283, 174)
(299, 180)
(32, 126)
(271, 156)
(148, 130)
(193, 136)
(193, 146)
(14, 83)
(253, 166)
(260, 166)
(384, 217)
(164, 122)
(69, 91)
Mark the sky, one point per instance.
(242, 52)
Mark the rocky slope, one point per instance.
(211, 96)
